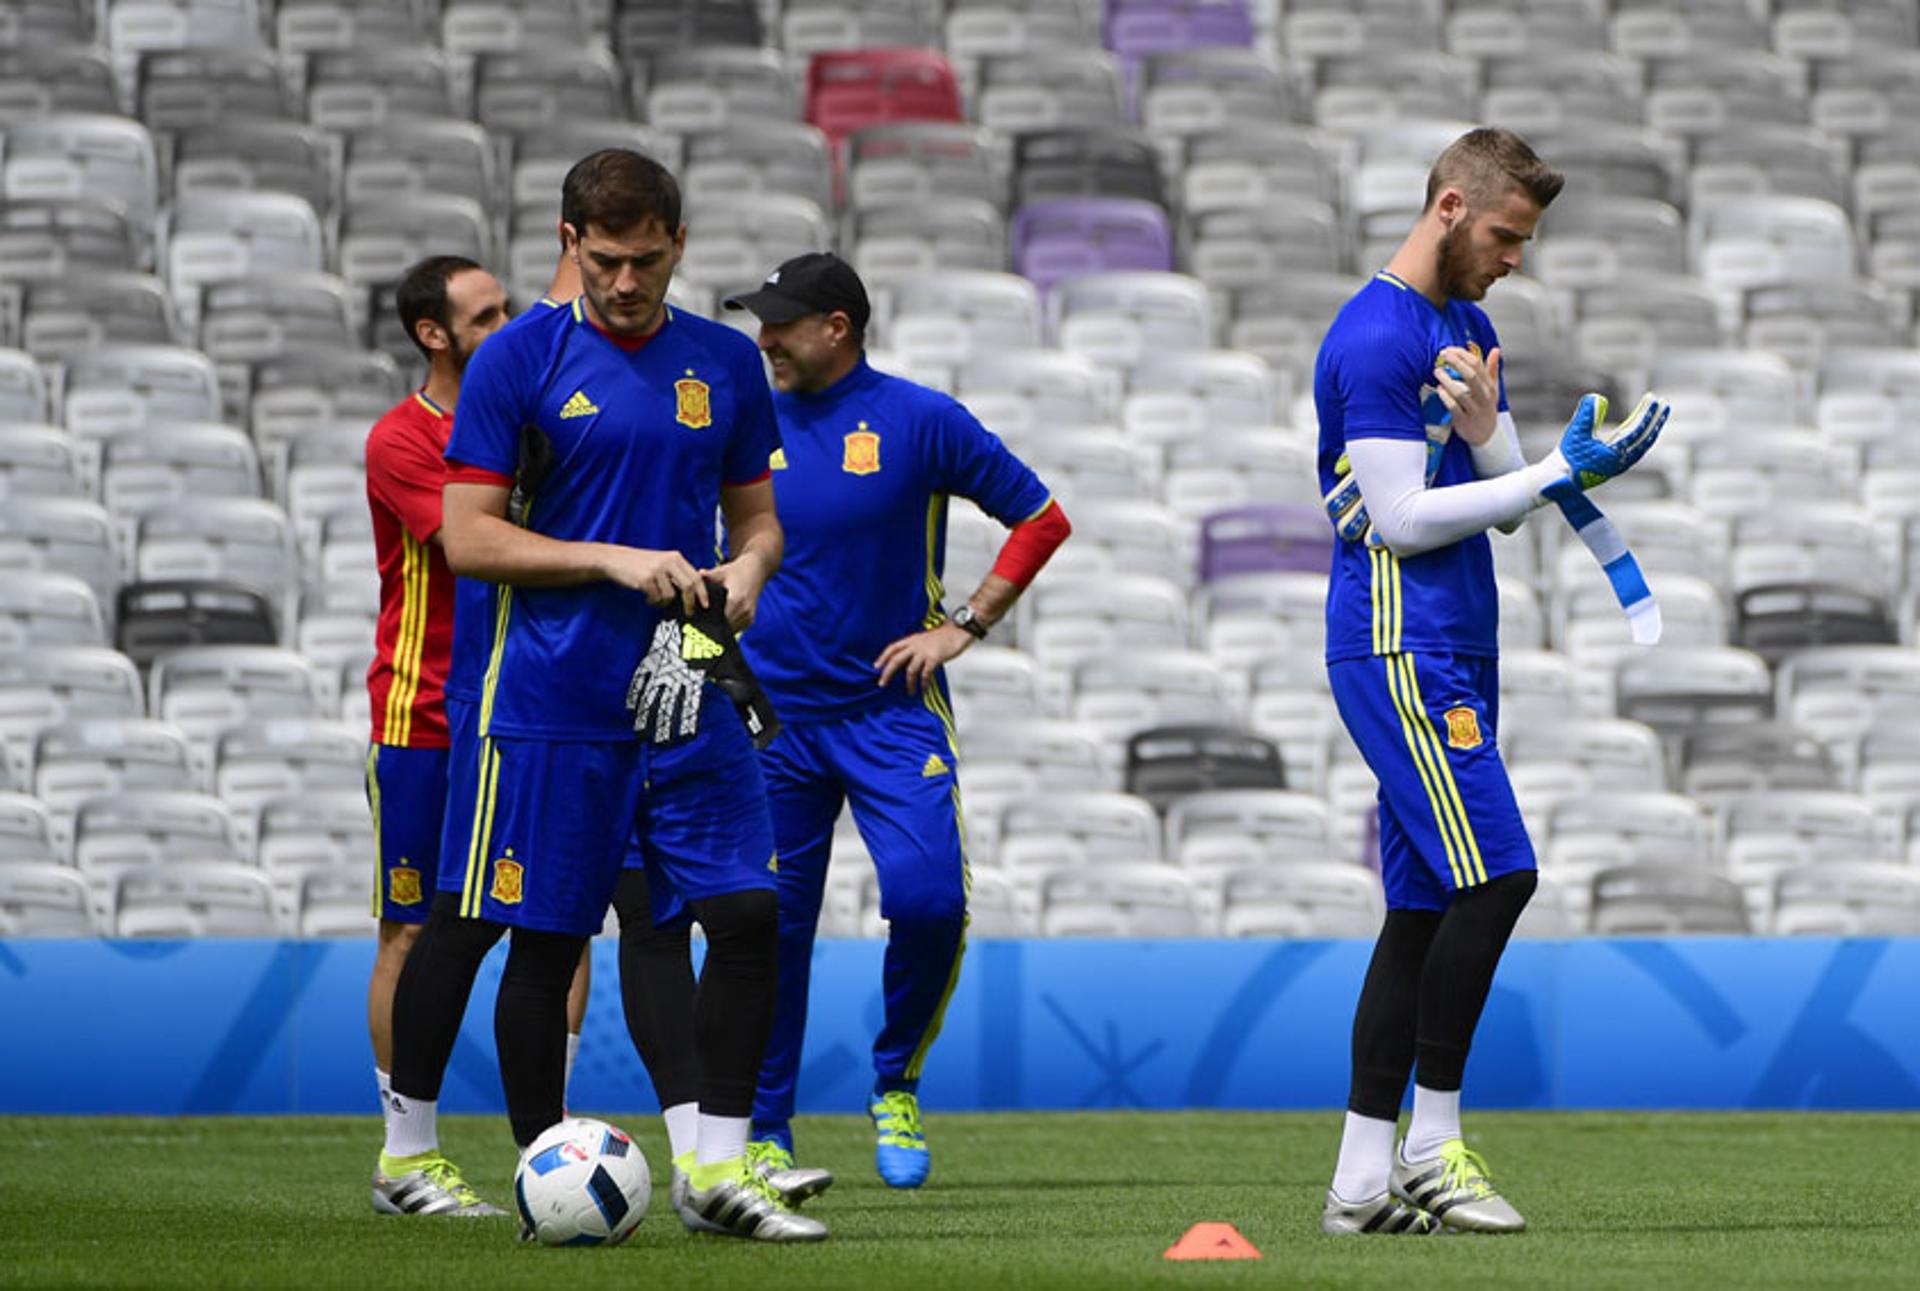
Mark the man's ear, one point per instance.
(1450, 206)
(432, 335)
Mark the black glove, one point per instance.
(708, 644)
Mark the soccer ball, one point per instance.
(582, 1183)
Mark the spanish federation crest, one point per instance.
(1463, 728)
(693, 405)
(403, 885)
(862, 456)
(507, 881)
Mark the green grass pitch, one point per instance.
(1630, 1201)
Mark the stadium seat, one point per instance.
(107, 757)
(851, 89)
(837, 27)
(1058, 239)
(958, 317)
(41, 688)
(327, 829)
(1661, 901)
(1596, 242)
(1053, 755)
(205, 690)
(1282, 828)
(380, 239)
(1198, 91)
(1144, 28)
(1027, 392)
(643, 28)
(23, 389)
(1767, 832)
(245, 540)
(1589, 832)
(1119, 899)
(767, 157)
(1252, 244)
(1718, 765)
(1120, 318)
(919, 163)
(722, 87)
(1625, 161)
(366, 86)
(55, 80)
(977, 29)
(194, 899)
(1838, 692)
(310, 26)
(287, 758)
(63, 536)
(1385, 88)
(1229, 389)
(1243, 166)
(733, 241)
(104, 159)
(1565, 85)
(1048, 88)
(257, 156)
(1087, 161)
(1117, 827)
(1549, 915)
(40, 899)
(49, 610)
(1845, 899)
(45, 462)
(51, 237)
(1140, 537)
(1264, 539)
(995, 909)
(1740, 242)
(1776, 620)
(889, 243)
(1090, 464)
(520, 91)
(1302, 899)
(180, 89)
(1167, 765)
(401, 158)
(145, 470)
(296, 393)
(331, 903)
(132, 387)
(62, 317)
(1610, 754)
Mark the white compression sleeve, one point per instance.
(1409, 518)
(1500, 455)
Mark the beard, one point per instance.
(1456, 268)
(457, 353)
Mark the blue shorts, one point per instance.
(407, 792)
(1426, 726)
(702, 828)
(536, 829)
(897, 767)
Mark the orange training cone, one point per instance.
(1212, 1242)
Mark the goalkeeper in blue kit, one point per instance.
(1419, 457)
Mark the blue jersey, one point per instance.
(862, 481)
(607, 446)
(1374, 378)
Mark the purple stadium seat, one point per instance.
(1141, 28)
(1063, 237)
(1257, 540)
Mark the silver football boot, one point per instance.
(794, 1183)
(1385, 1215)
(1453, 1186)
(748, 1206)
(428, 1184)
(677, 1191)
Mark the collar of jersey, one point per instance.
(428, 404)
(625, 346)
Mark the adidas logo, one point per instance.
(577, 406)
(695, 644)
(934, 767)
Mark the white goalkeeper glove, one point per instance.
(664, 694)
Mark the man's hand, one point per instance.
(1470, 388)
(662, 576)
(1591, 452)
(918, 655)
(744, 577)
(1346, 508)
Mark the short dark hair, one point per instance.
(618, 189)
(1487, 164)
(422, 293)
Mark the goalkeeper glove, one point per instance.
(1591, 453)
(1346, 508)
(688, 651)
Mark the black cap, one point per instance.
(819, 282)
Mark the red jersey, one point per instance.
(414, 640)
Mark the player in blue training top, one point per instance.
(592, 450)
(849, 644)
(1419, 457)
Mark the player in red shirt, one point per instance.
(449, 305)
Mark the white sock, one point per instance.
(413, 1126)
(1436, 1119)
(573, 1051)
(722, 1138)
(385, 1082)
(683, 1128)
(1366, 1158)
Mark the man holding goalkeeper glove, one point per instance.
(1419, 457)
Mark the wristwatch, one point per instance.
(967, 621)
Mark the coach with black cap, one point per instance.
(849, 644)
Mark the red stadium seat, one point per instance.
(848, 90)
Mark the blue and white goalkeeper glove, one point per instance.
(1591, 452)
(1347, 509)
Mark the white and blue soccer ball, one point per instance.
(582, 1183)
